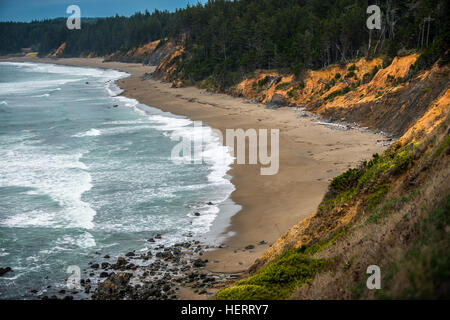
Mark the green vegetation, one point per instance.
(367, 77)
(322, 245)
(427, 262)
(228, 39)
(443, 146)
(398, 81)
(380, 93)
(350, 74)
(337, 93)
(381, 211)
(370, 179)
(283, 86)
(262, 84)
(431, 54)
(353, 67)
(278, 280)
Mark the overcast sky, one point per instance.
(27, 10)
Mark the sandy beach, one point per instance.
(310, 156)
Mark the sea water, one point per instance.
(85, 172)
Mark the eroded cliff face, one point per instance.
(364, 92)
(392, 211)
(380, 95)
(58, 52)
(135, 55)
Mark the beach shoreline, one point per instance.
(310, 156)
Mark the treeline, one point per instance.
(225, 40)
(99, 36)
(229, 39)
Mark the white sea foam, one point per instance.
(85, 240)
(107, 74)
(90, 133)
(62, 177)
(42, 95)
(4, 103)
(213, 153)
(53, 177)
(32, 86)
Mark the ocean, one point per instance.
(85, 172)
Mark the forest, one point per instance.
(225, 40)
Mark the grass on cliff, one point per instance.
(426, 265)
(278, 280)
(370, 179)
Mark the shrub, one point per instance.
(350, 74)
(353, 67)
(337, 93)
(282, 86)
(278, 280)
(429, 56)
(264, 81)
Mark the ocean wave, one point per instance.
(107, 74)
(62, 177)
(85, 240)
(32, 86)
(42, 95)
(89, 133)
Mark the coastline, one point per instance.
(310, 155)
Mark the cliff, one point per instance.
(391, 211)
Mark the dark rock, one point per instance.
(130, 254)
(95, 266)
(210, 203)
(113, 288)
(151, 240)
(105, 265)
(104, 274)
(3, 271)
(106, 257)
(68, 298)
(197, 214)
(250, 247)
(262, 242)
(199, 263)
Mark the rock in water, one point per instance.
(3, 271)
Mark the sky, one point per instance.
(27, 10)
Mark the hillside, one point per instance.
(392, 211)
